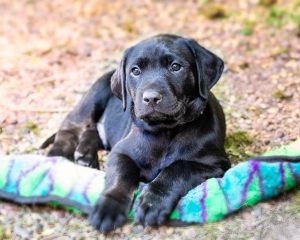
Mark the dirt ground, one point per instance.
(51, 51)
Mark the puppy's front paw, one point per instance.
(108, 214)
(152, 208)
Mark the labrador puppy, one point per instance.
(156, 114)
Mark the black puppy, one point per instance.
(171, 133)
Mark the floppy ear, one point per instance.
(118, 81)
(209, 68)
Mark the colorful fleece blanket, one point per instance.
(32, 179)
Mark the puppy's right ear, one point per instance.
(118, 80)
(209, 67)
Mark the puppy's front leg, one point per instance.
(112, 208)
(162, 194)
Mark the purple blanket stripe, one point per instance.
(202, 203)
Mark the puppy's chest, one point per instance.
(153, 157)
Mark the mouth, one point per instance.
(154, 117)
(159, 121)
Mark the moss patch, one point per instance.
(294, 207)
(267, 3)
(281, 95)
(213, 11)
(32, 127)
(211, 230)
(3, 235)
(236, 144)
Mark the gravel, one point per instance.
(76, 41)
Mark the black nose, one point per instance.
(151, 97)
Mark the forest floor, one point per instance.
(52, 51)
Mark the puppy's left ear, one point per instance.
(118, 80)
(209, 68)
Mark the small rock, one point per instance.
(23, 233)
(85, 50)
(257, 212)
(127, 229)
(170, 231)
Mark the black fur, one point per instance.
(172, 137)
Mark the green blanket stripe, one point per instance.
(290, 181)
(254, 192)
(215, 202)
(292, 149)
(29, 182)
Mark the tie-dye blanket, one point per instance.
(30, 179)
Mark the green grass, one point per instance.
(247, 28)
(277, 17)
(295, 17)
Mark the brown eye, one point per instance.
(135, 71)
(175, 67)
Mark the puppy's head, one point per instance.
(167, 79)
